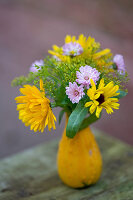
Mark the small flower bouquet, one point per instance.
(83, 79)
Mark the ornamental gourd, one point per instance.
(79, 159)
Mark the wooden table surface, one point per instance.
(32, 175)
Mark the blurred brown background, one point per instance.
(28, 28)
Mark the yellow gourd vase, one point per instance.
(79, 160)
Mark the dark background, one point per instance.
(28, 28)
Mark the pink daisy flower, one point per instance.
(72, 49)
(56, 58)
(119, 61)
(39, 63)
(74, 92)
(86, 73)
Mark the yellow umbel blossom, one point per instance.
(34, 108)
(89, 45)
(103, 97)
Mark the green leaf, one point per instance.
(61, 115)
(75, 119)
(122, 94)
(114, 66)
(88, 121)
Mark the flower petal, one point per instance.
(98, 111)
(92, 108)
(88, 104)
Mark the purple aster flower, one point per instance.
(72, 49)
(86, 73)
(119, 61)
(74, 92)
(39, 63)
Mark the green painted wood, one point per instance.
(32, 175)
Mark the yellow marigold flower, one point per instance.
(103, 97)
(81, 47)
(34, 108)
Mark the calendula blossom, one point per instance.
(82, 47)
(34, 108)
(103, 97)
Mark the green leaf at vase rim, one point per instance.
(89, 120)
(75, 119)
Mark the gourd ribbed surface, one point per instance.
(79, 159)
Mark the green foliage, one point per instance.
(75, 119)
(117, 78)
(22, 80)
(56, 76)
(88, 121)
(61, 115)
(122, 94)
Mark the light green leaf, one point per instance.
(122, 94)
(61, 115)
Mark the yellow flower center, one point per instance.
(76, 93)
(86, 78)
(72, 52)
